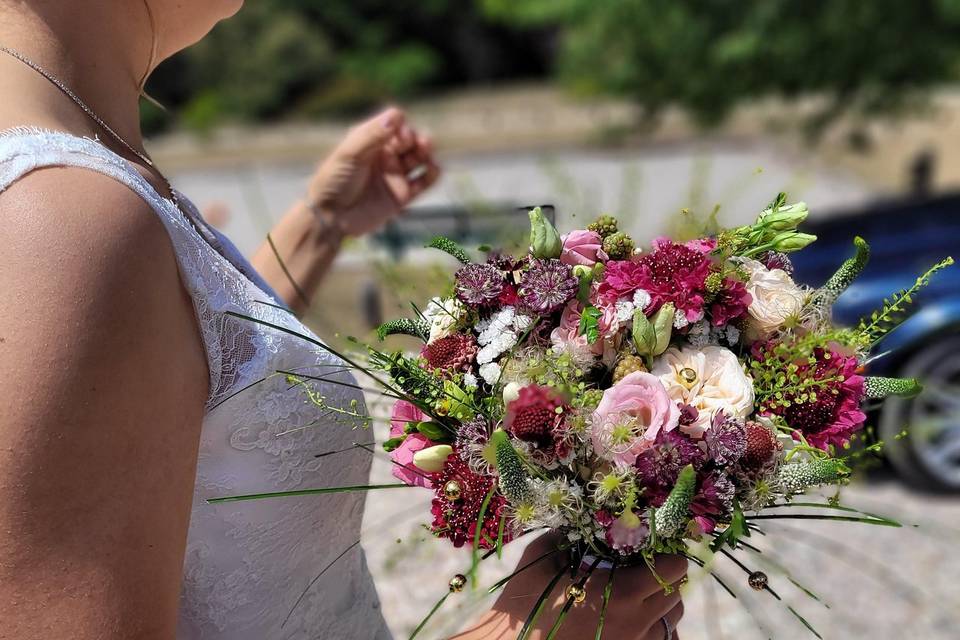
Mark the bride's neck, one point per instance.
(100, 50)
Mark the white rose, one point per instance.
(443, 316)
(776, 298)
(717, 382)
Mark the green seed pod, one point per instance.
(846, 274)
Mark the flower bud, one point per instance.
(511, 392)
(792, 241)
(432, 458)
(545, 240)
(786, 218)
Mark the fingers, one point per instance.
(375, 133)
(665, 626)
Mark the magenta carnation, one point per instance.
(731, 303)
(676, 273)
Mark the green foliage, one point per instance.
(280, 58)
(878, 388)
(590, 324)
(418, 328)
(671, 517)
(881, 323)
(781, 377)
(449, 246)
(847, 273)
(709, 56)
(510, 468)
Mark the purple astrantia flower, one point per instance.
(726, 439)
(547, 286)
(479, 284)
(659, 466)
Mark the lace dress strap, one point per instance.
(202, 269)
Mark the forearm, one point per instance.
(298, 254)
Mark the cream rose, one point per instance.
(776, 298)
(443, 316)
(708, 379)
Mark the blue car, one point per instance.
(907, 237)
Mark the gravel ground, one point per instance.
(875, 582)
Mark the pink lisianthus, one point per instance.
(582, 247)
(630, 416)
(404, 414)
(566, 337)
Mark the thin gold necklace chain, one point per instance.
(208, 236)
(59, 84)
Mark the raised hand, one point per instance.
(376, 171)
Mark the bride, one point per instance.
(130, 394)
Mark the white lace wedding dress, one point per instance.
(247, 563)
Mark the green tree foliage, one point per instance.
(280, 58)
(707, 56)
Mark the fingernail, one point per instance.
(389, 120)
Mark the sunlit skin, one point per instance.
(103, 374)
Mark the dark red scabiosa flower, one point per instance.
(835, 415)
(536, 417)
(455, 352)
(761, 452)
(547, 285)
(659, 466)
(726, 439)
(713, 501)
(479, 285)
(457, 519)
(731, 303)
(676, 273)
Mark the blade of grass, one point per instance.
(424, 622)
(314, 581)
(605, 602)
(555, 629)
(305, 492)
(538, 606)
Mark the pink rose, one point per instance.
(629, 417)
(405, 413)
(582, 247)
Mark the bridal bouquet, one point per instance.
(634, 401)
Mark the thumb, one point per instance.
(372, 134)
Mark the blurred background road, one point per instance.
(664, 113)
